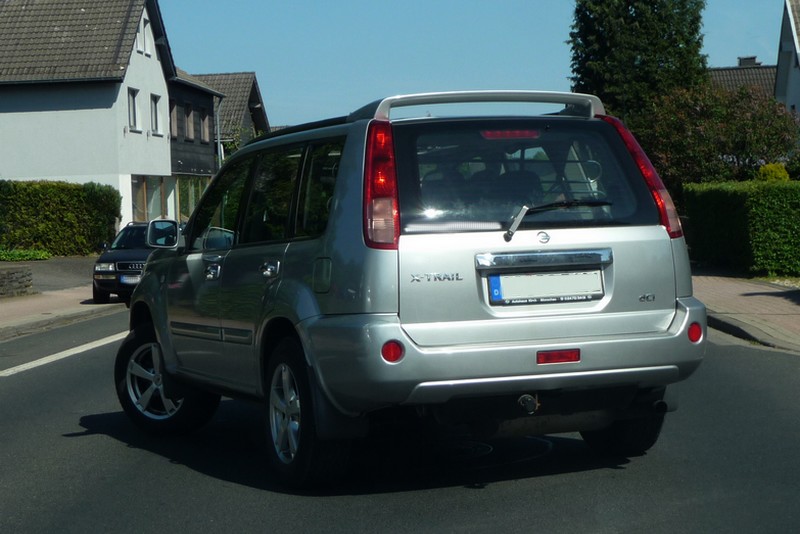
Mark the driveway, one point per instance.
(62, 272)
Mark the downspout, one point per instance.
(220, 149)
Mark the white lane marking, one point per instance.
(63, 354)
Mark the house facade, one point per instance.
(242, 114)
(88, 93)
(787, 82)
(192, 139)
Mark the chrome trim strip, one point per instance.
(544, 259)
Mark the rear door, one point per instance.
(253, 270)
(527, 230)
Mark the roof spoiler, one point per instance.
(576, 104)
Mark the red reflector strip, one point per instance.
(495, 135)
(558, 356)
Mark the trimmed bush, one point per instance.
(61, 218)
(772, 172)
(745, 226)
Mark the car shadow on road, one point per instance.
(232, 448)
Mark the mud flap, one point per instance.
(331, 423)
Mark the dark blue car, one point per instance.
(119, 268)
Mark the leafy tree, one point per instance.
(709, 134)
(629, 51)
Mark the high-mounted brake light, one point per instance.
(381, 213)
(500, 135)
(666, 208)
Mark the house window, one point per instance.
(205, 131)
(133, 110)
(190, 189)
(173, 119)
(189, 123)
(150, 195)
(155, 122)
(145, 30)
(139, 39)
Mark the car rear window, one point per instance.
(476, 175)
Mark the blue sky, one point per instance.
(316, 59)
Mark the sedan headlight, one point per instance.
(103, 267)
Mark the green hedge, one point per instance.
(61, 218)
(745, 226)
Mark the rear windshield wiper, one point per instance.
(516, 220)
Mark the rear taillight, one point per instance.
(381, 214)
(666, 208)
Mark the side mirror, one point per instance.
(162, 233)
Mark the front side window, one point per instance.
(268, 210)
(217, 217)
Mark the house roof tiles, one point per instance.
(242, 96)
(66, 40)
(758, 76)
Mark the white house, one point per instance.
(84, 97)
(787, 82)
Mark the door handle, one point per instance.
(213, 271)
(270, 268)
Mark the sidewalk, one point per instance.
(765, 313)
(48, 309)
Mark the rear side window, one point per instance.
(316, 189)
(267, 215)
(474, 175)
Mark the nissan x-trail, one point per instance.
(521, 272)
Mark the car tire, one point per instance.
(100, 297)
(297, 456)
(627, 437)
(140, 382)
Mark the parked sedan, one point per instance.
(119, 268)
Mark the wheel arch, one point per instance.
(330, 422)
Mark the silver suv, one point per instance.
(521, 271)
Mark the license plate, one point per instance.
(130, 279)
(545, 288)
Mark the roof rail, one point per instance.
(299, 128)
(577, 104)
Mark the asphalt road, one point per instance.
(70, 461)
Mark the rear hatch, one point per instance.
(527, 229)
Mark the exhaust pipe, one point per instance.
(529, 403)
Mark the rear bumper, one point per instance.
(355, 378)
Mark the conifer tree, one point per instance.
(627, 52)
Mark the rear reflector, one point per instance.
(695, 332)
(392, 351)
(558, 356)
